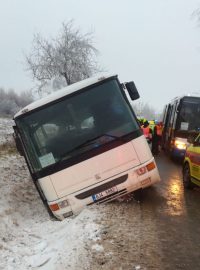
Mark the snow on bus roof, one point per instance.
(62, 92)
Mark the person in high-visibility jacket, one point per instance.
(159, 130)
(147, 131)
(156, 139)
(152, 125)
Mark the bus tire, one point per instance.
(187, 183)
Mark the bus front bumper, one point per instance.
(136, 178)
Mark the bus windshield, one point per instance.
(76, 124)
(189, 115)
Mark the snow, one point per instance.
(137, 267)
(5, 129)
(98, 247)
(29, 239)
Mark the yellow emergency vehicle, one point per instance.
(191, 165)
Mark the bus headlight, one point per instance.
(63, 204)
(141, 170)
(180, 145)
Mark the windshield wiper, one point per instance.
(90, 142)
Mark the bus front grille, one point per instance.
(102, 187)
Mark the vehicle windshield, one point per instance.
(76, 124)
(189, 116)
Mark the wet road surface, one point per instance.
(161, 232)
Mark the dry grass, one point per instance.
(8, 148)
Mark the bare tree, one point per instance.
(70, 56)
(145, 110)
(196, 15)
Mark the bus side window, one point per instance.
(173, 115)
(168, 116)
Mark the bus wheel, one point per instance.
(138, 195)
(187, 183)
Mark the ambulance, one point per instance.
(191, 166)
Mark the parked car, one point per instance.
(191, 165)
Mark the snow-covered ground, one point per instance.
(29, 239)
(105, 237)
(5, 129)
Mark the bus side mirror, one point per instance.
(132, 90)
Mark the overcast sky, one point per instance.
(155, 43)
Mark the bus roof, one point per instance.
(188, 95)
(62, 92)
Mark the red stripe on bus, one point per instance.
(194, 157)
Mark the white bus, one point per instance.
(83, 145)
(181, 120)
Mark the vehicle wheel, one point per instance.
(137, 195)
(171, 156)
(187, 183)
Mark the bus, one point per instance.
(83, 145)
(181, 123)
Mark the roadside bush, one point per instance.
(8, 147)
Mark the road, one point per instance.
(162, 232)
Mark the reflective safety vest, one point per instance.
(147, 132)
(159, 130)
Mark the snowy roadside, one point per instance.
(29, 239)
(117, 235)
(6, 129)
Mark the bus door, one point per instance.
(166, 130)
(173, 121)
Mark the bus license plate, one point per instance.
(104, 193)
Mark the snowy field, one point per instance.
(105, 237)
(29, 239)
(5, 129)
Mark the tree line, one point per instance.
(144, 110)
(11, 102)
